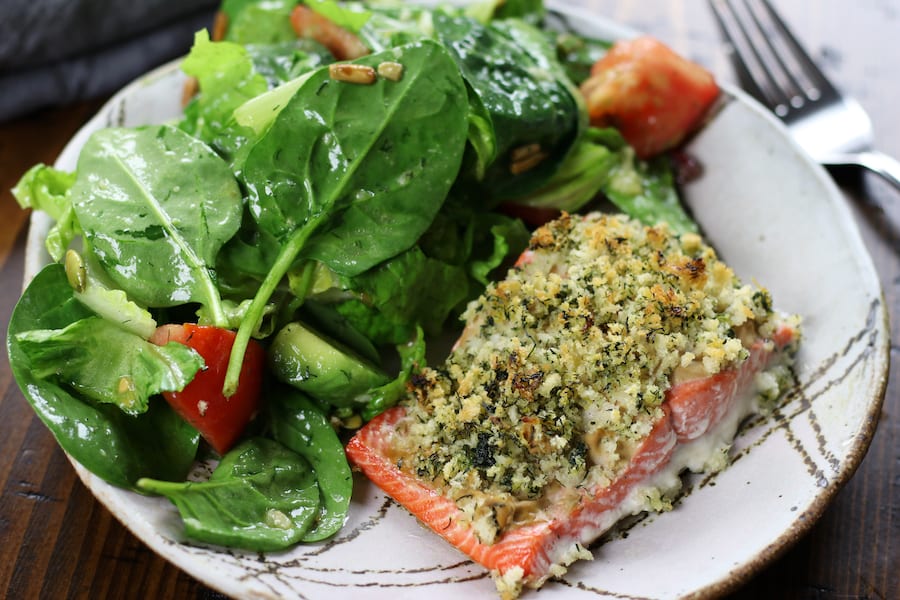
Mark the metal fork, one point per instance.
(773, 67)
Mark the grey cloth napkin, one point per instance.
(54, 52)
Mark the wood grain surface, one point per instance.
(58, 542)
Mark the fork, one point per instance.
(773, 67)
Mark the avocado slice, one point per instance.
(322, 367)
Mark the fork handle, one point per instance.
(877, 162)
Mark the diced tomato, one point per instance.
(654, 96)
(219, 420)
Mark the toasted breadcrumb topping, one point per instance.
(563, 366)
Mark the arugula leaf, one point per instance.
(156, 205)
(261, 497)
(114, 446)
(342, 160)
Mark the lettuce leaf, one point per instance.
(255, 22)
(47, 189)
(115, 446)
(602, 163)
(107, 364)
(227, 78)
(425, 285)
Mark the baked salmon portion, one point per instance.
(611, 358)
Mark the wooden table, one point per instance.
(57, 541)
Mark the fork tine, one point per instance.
(819, 85)
(772, 64)
(763, 41)
(752, 73)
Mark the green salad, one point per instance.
(252, 280)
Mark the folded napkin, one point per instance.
(54, 52)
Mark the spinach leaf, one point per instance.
(156, 205)
(343, 160)
(382, 157)
(372, 323)
(301, 426)
(261, 497)
(246, 258)
(79, 356)
(482, 149)
(533, 108)
(114, 446)
(280, 63)
(497, 237)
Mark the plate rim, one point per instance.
(803, 522)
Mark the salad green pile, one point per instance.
(338, 224)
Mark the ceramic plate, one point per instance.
(776, 218)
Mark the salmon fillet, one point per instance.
(564, 404)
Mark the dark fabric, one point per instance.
(54, 52)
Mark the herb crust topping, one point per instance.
(563, 366)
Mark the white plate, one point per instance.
(776, 218)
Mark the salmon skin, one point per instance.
(573, 393)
